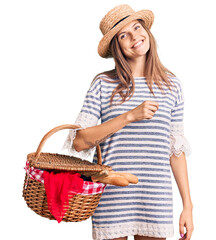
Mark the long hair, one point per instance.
(154, 71)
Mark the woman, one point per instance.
(142, 134)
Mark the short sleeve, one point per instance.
(88, 117)
(178, 141)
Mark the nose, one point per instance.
(133, 36)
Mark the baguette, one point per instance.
(113, 179)
(130, 177)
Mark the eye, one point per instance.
(137, 27)
(123, 36)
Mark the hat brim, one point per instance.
(103, 47)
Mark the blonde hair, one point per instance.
(154, 70)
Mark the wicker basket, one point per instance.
(81, 207)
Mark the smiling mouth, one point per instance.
(137, 44)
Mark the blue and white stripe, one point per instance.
(141, 148)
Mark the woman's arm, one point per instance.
(92, 136)
(179, 169)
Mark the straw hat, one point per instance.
(117, 18)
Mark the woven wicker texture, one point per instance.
(54, 161)
(62, 162)
(81, 207)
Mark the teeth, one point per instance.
(137, 44)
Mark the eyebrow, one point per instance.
(125, 32)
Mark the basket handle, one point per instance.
(56, 129)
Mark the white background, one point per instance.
(48, 58)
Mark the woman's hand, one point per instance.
(186, 220)
(145, 110)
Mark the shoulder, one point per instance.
(97, 82)
(178, 89)
(177, 83)
(102, 79)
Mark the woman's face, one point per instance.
(133, 40)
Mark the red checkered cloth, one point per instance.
(89, 188)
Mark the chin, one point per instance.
(137, 54)
(141, 54)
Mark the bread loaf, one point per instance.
(113, 179)
(130, 177)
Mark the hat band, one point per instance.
(120, 21)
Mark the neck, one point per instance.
(137, 66)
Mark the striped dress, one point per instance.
(142, 148)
